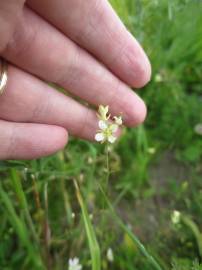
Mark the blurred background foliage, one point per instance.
(155, 168)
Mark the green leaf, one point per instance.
(92, 240)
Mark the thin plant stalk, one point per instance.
(132, 236)
(107, 166)
(47, 229)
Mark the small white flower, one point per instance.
(175, 217)
(74, 264)
(110, 255)
(107, 129)
(198, 129)
(158, 78)
(90, 160)
(106, 132)
(151, 150)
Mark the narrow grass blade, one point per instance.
(17, 186)
(20, 228)
(195, 230)
(133, 237)
(92, 240)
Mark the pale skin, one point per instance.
(83, 47)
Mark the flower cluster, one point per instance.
(107, 127)
(74, 264)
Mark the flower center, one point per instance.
(108, 132)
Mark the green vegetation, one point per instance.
(154, 169)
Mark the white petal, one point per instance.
(102, 125)
(114, 128)
(99, 137)
(71, 262)
(111, 139)
(76, 261)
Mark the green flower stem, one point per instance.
(107, 166)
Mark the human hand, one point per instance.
(79, 45)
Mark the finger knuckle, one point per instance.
(22, 39)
